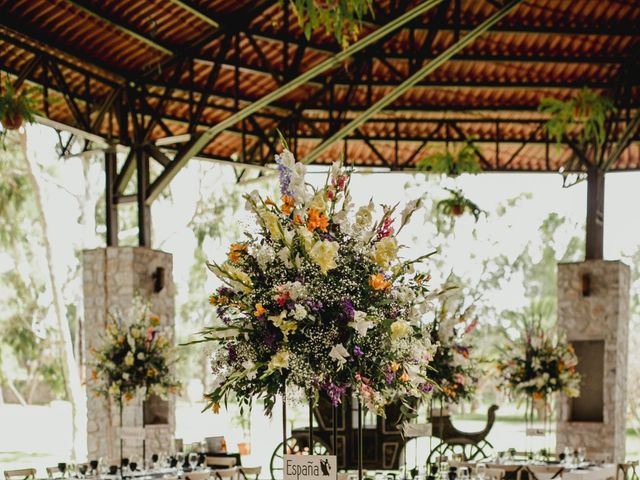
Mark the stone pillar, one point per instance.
(593, 311)
(113, 277)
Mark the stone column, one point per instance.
(113, 278)
(593, 311)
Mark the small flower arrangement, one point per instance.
(537, 364)
(133, 357)
(457, 204)
(453, 372)
(15, 108)
(318, 299)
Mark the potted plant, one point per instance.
(457, 204)
(452, 163)
(16, 107)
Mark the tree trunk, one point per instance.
(73, 387)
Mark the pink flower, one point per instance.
(460, 379)
(471, 326)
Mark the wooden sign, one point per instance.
(310, 467)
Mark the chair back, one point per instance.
(541, 472)
(197, 475)
(228, 462)
(219, 474)
(51, 471)
(245, 472)
(494, 473)
(21, 474)
(627, 471)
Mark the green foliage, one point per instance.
(340, 18)
(452, 163)
(16, 107)
(585, 116)
(457, 204)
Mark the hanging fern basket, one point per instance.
(12, 120)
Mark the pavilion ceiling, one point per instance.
(144, 70)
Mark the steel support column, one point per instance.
(595, 214)
(111, 207)
(144, 210)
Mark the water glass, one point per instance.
(481, 470)
(193, 460)
(582, 454)
(463, 473)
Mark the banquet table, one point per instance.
(593, 472)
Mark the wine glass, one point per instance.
(481, 470)
(62, 467)
(582, 454)
(180, 459)
(463, 473)
(134, 462)
(93, 464)
(193, 460)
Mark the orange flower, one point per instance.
(151, 372)
(259, 310)
(538, 396)
(404, 377)
(297, 220)
(316, 219)
(94, 375)
(235, 251)
(288, 204)
(378, 282)
(121, 339)
(215, 408)
(213, 300)
(128, 396)
(268, 201)
(154, 320)
(395, 366)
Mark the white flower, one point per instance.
(279, 360)
(400, 329)
(339, 354)
(285, 257)
(249, 366)
(408, 210)
(140, 356)
(364, 216)
(125, 376)
(360, 323)
(264, 256)
(300, 312)
(296, 290)
(252, 199)
(286, 159)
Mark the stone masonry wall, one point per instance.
(603, 315)
(113, 277)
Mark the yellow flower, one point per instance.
(135, 332)
(259, 310)
(128, 359)
(271, 223)
(151, 372)
(285, 326)
(324, 255)
(395, 366)
(236, 251)
(385, 251)
(399, 329)
(307, 238)
(279, 360)
(154, 320)
(316, 220)
(114, 389)
(318, 203)
(378, 282)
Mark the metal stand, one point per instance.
(310, 426)
(284, 421)
(360, 446)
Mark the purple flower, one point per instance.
(335, 393)
(357, 352)
(389, 377)
(314, 305)
(285, 178)
(231, 353)
(426, 387)
(270, 339)
(348, 311)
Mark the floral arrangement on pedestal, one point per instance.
(318, 299)
(134, 357)
(538, 364)
(453, 369)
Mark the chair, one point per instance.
(494, 473)
(197, 475)
(226, 462)
(246, 471)
(51, 471)
(219, 474)
(20, 474)
(541, 472)
(627, 471)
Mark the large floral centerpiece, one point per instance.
(454, 371)
(134, 357)
(535, 366)
(317, 298)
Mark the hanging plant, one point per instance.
(452, 163)
(457, 204)
(585, 115)
(15, 108)
(341, 18)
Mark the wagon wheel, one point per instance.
(469, 451)
(294, 447)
